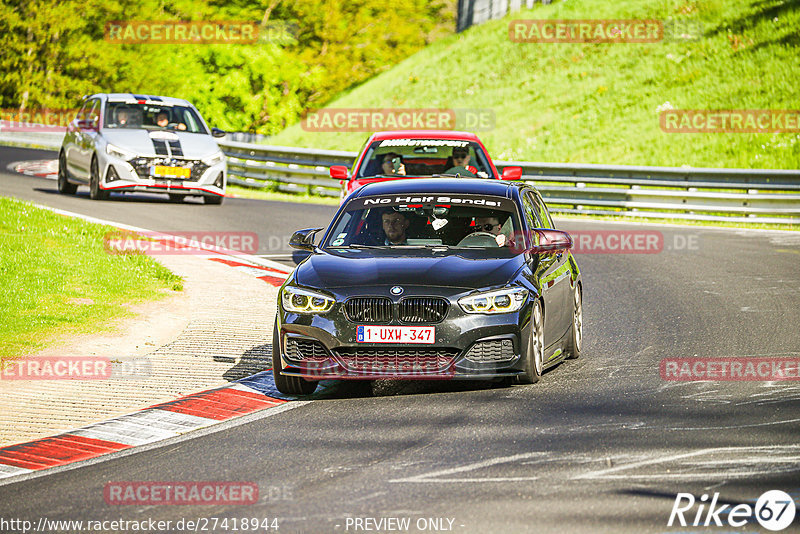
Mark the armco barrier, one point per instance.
(736, 195)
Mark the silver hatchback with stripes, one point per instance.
(122, 142)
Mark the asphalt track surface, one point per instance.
(601, 444)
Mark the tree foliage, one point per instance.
(51, 54)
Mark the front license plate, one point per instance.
(162, 171)
(395, 334)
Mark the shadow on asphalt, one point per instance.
(254, 370)
(158, 198)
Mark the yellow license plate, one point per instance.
(163, 171)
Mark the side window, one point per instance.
(93, 112)
(544, 216)
(84, 111)
(531, 211)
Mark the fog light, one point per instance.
(111, 174)
(220, 181)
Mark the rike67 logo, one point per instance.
(774, 510)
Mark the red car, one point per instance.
(420, 154)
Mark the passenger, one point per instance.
(162, 120)
(493, 226)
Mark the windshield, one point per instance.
(427, 220)
(152, 116)
(425, 157)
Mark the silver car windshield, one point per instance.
(152, 117)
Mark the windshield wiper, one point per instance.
(356, 245)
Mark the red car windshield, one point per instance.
(425, 157)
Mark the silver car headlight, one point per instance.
(299, 300)
(213, 159)
(118, 152)
(496, 301)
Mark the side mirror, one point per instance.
(87, 124)
(338, 172)
(548, 241)
(304, 239)
(512, 173)
(216, 132)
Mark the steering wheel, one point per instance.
(463, 171)
(479, 239)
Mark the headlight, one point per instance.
(213, 159)
(118, 152)
(297, 300)
(497, 301)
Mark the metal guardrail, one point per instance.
(47, 140)
(736, 195)
(289, 169)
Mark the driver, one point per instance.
(122, 117)
(460, 160)
(395, 225)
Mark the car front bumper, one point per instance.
(467, 346)
(121, 175)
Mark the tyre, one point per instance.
(288, 385)
(576, 332)
(95, 193)
(534, 360)
(215, 200)
(64, 187)
(173, 197)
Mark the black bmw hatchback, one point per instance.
(430, 279)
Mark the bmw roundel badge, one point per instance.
(397, 290)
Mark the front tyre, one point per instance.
(95, 193)
(576, 335)
(64, 187)
(534, 360)
(214, 200)
(288, 385)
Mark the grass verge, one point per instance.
(600, 103)
(266, 194)
(58, 279)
